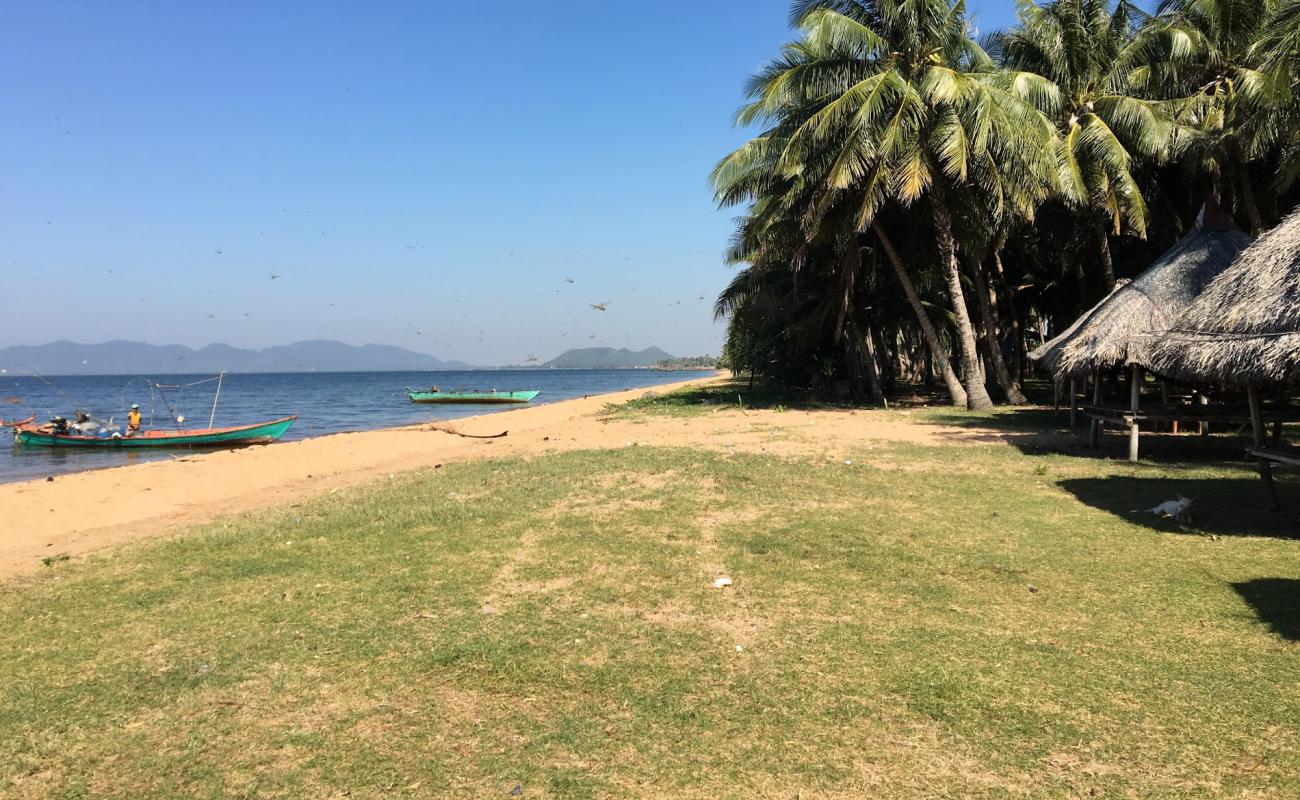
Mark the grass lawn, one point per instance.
(961, 621)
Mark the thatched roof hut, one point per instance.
(1048, 354)
(1121, 330)
(1245, 327)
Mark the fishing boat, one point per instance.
(470, 397)
(31, 434)
(59, 433)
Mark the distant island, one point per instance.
(125, 358)
(701, 363)
(606, 358)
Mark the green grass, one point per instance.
(732, 394)
(924, 622)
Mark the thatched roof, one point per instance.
(1122, 329)
(1245, 327)
(1048, 354)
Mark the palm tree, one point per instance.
(1204, 53)
(888, 101)
(1278, 49)
(1085, 49)
(773, 238)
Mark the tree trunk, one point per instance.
(988, 302)
(1005, 299)
(868, 353)
(977, 397)
(955, 390)
(1103, 247)
(1247, 190)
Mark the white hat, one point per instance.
(135, 405)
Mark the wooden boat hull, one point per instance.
(238, 436)
(483, 398)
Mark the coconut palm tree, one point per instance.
(1085, 48)
(891, 101)
(1205, 53)
(778, 223)
(1278, 50)
(774, 237)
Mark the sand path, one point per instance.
(83, 512)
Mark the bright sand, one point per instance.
(88, 511)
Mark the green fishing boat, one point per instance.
(47, 435)
(470, 397)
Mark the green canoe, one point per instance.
(470, 397)
(238, 436)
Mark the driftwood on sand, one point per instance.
(454, 432)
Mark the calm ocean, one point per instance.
(324, 402)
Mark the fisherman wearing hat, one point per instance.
(133, 420)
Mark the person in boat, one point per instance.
(133, 420)
(434, 389)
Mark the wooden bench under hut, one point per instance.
(1119, 332)
(1244, 330)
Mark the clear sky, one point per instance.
(425, 174)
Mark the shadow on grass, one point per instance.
(1232, 506)
(1276, 601)
(1037, 431)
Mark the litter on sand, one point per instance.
(721, 582)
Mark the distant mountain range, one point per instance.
(606, 358)
(125, 358)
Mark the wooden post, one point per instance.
(1257, 428)
(1074, 403)
(1094, 433)
(1202, 427)
(1281, 402)
(1256, 414)
(1164, 402)
(1134, 393)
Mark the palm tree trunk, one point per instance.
(987, 315)
(1103, 247)
(977, 397)
(1002, 296)
(955, 389)
(866, 352)
(1247, 189)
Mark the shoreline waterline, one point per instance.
(87, 511)
(323, 403)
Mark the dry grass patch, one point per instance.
(995, 626)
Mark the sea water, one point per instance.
(324, 403)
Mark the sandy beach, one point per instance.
(89, 511)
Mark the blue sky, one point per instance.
(426, 174)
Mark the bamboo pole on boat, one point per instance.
(220, 378)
